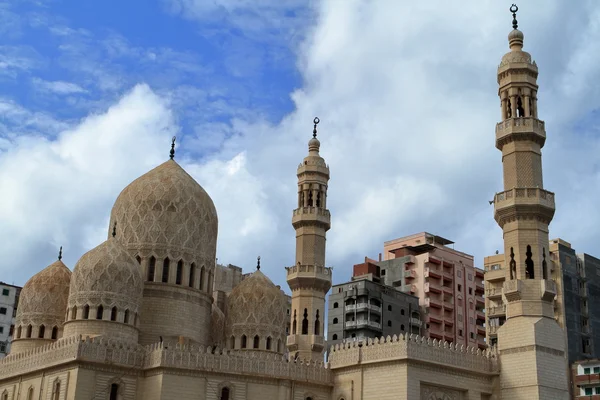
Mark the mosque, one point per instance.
(135, 319)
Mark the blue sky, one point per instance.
(406, 92)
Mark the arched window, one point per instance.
(335, 320)
(165, 271)
(390, 308)
(529, 264)
(402, 311)
(334, 337)
(86, 312)
(232, 342)
(512, 265)
(114, 391)
(29, 328)
(318, 203)
(19, 332)
(56, 391)
(269, 343)
(520, 110)
(209, 284)
(179, 273)
(224, 394)
(335, 305)
(244, 341)
(113, 314)
(74, 312)
(294, 324)
(192, 275)
(151, 268)
(41, 332)
(55, 332)
(256, 342)
(310, 198)
(5, 395)
(389, 323)
(309, 398)
(126, 317)
(30, 394)
(544, 264)
(317, 324)
(100, 312)
(305, 323)
(401, 327)
(201, 286)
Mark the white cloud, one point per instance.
(57, 87)
(407, 96)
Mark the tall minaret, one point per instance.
(531, 343)
(309, 279)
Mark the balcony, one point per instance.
(479, 273)
(313, 214)
(362, 323)
(448, 275)
(317, 342)
(480, 315)
(480, 300)
(497, 311)
(432, 302)
(448, 289)
(589, 379)
(432, 287)
(434, 260)
(479, 288)
(492, 329)
(363, 307)
(448, 305)
(415, 321)
(493, 293)
(507, 202)
(410, 274)
(408, 288)
(481, 330)
(519, 127)
(495, 275)
(449, 320)
(430, 272)
(436, 319)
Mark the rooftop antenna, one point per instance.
(513, 10)
(172, 152)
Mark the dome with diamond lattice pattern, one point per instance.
(257, 307)
(167, 211)
(43, 299)
(108, 276)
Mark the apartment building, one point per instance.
(9, 300)
(577, 278)
(362, 309)
(449, 287)
(585, 377)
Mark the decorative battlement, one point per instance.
(237, 363)
(524, 128)
(413, 347)
(524, 201)
(309, 276)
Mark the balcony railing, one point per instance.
(493, 292)
(492, 329)
(362, 307)
(410, 274)
(362, 323)
(496, 311)
(415, 321)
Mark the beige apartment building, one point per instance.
(449, 286)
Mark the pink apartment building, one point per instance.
(449, 287)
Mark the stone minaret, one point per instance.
(531, 343)
(309, 279)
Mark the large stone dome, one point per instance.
(42, 307)
(107, 275)
(167, 209)
(256, 307)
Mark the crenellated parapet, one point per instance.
(247, 363)
(413, 347)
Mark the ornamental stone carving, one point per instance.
(107, 275)
(257, 307)
(44, 297)
(166, 213)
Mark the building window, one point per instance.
(5, 292)
(74, 312)
(597, 370)
(165, 271)
(305, 323)
(151, 269)
(179, 272)
(269, 343)
(597, 390)
(586, 371)
(41, 332)
(56, 391)
(471, 320)
(114, 391)
(113, 314)
(100, 312)
(335, 320)
(389, 323)
(470, 305)
(334, 337)
(383, 272)
(460, 332)
(29, 329)
(244, 341)
(30, 394)
(402, 311)
(459, 273)
(1, 329)
(126, 317)
(55, 333)
(588, 391)
(470, 277)
(401, 327)
(3, 310)
(460, 317)
(470, 290)
(192, 275)
(224, 394)
(390, 308)
(460, 288)
(335, 305)
(472, 335)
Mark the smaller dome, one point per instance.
(43, 299)
(107, 275)
(256, 307)
(314, 144)
(515, 40)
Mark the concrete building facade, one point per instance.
(448, 285)
(363, 309)
(9, 301)
(585, 378)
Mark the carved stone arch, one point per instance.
(56, 389)
(120, 388)
(30, 393)
(226, 385)
(4, 395)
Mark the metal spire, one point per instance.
(258, 263)
(316, 122)
(513, 10)
(60, 254)
(114, 231)
(172, 153)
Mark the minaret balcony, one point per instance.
(522, 128)
(309, 276)
(311, 215)
(517, 202)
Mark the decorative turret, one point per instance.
(309, 279)
(531, 337)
